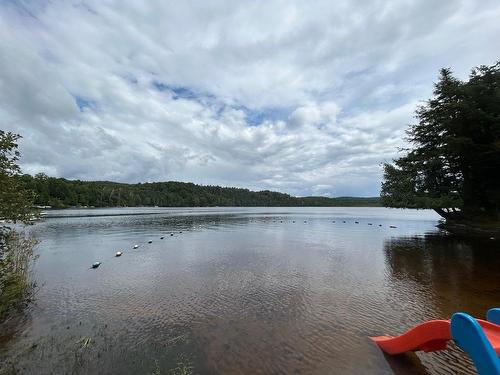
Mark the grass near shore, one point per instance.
(16, 256)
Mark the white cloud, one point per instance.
(314, 114)
(287, 95)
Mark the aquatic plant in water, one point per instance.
(16, 256)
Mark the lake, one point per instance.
(245, 291)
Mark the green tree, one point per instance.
(454, 164)
(16, 202)
(16, 251)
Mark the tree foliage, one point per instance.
(16, 202)
(454, 164)
(16, 251)
(61, 193)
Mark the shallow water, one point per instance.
(245, 290)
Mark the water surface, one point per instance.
(245, 290)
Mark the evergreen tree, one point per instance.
(454, 164)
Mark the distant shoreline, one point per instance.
(89, 212)
(268, 206)
(62, 193)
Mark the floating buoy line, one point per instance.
(120, 253)
(357, 222)
(136, 246)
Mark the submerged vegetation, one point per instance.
(90, 348)
(455, 160)
(61, 193)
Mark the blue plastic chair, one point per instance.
(469, 336)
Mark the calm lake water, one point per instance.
(245, 291)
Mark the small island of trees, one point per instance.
(454, 165)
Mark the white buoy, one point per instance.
(136, 246)
(118, 254)
(96, 264)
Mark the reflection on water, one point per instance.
(235, 290)
(461, 275)
(437, 275)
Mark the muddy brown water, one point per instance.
(245, 291)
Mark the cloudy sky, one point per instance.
(296, 96)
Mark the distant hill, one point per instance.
(62, 193)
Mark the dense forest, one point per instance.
(61, 193)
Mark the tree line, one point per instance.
(62, 193)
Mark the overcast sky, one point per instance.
(296, 96)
